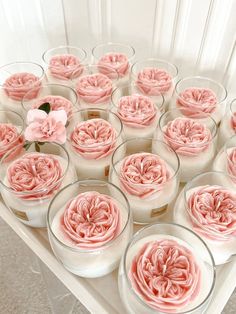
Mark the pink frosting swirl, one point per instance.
(94, 139)
(233, 122)
(187, 137)
(94, 88)
(9, 138)
(153, 81)
(165, 275)
(18, 85)
(116, 61)
(136, 111)
(197, 102)
(231, 162)
(35, 172)
(91, 220)
(65, 67)
(143, 174)
(56, 103)
(212, 210)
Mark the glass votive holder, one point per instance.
(166, 268)
(89, 227)
(60, 97)
(147, 177)
(194, 140)
(92, 136)
(198, 96)
(138, 113)
(31, 176)
(154, 78)
(11, 131)
(16, 79)
(116, 56)
(228, 124)
(64, 63)
(208, 207)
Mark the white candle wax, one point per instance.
(8, 103)
(225, 132)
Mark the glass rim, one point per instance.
(19, 116)
(202, 78)
(96, 66)
(25, 193)
(24, 100)
(131, 48)
(228, 142)
(131, 243)
(233, 102)
(107, 244)
(113, 165)
(63, 47)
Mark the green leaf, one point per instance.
(45, 107)
(37, 147)
(41, 143)
(27, 145)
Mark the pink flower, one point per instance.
(65, 67)
(94, 139)
(197, 102)
(91, 219)
(94, 88)
(116, 61)
(153, 81)
(143, 174)
(212, 210)
(231, 162)
(45, 127)
(19, 84)
(187, 137)
(36, 174)
(165, 275)
(136, 111)
(9, 138)
(233, 122)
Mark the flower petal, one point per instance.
(34, 115)
(59, 116)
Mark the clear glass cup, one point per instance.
(100, 253)
(198, 96)
(31, 176)
(64, 63)
(138, 113)
(92, 136)
(58, 96)
(116, 55)
(146, 171)
(207, 205)
(148, 264)
(228, 125)
(154, 78)
(194, 140)
(16, 79)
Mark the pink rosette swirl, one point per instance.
(94, 88)
(56, 103)
(136, 111)
(9, 138)
(154, 81)
(197, 102)
(165, 275)
(91, 220)
(18, 85)
(143, 174)
(94, 139)
(36, 175)
(233, 122)
(116, 61)
(187, 137)
(231, 162)
(65, 67)
(212, 210)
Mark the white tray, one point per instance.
(101, 295)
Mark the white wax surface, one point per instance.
(225, 132)
(8, 103)
(53, 80)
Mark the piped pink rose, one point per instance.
(9, 138)
(233, 122)
(65, 67)
(115, 61)
(231, 162)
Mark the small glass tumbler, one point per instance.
(228, 124)
(154, 78)
(92, 244)
(30, 176)
(166, 268)
(11, 131)
(16, 79)
(197, 96)
(116, 56)
(147, 172)
(138, 113)
(207, 206)
(92, 136)
(64, 63)
(194, 140)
